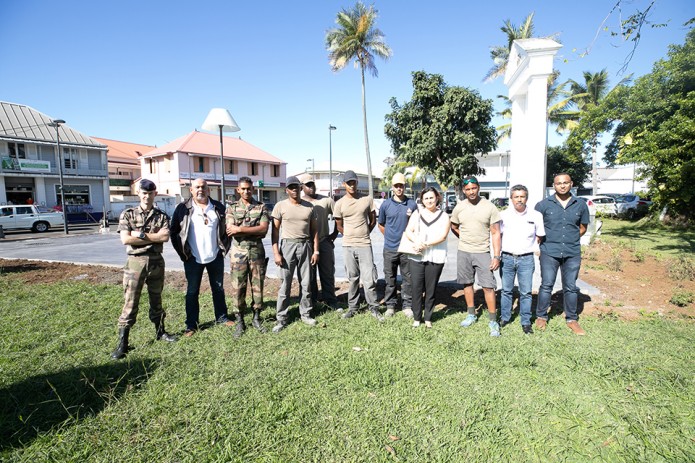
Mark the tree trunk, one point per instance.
(366, 137)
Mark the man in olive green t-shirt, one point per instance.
(355, 218)
(474, 220)
(299, 238)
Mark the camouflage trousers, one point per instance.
(139, 270)
(247, 264)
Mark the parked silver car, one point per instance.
(632, 206)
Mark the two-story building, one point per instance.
(197, 155)
(29, 171)
(124, 164)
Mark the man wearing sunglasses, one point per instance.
(474, 221)
(200, 239)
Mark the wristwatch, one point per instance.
(497, 257)
(142, 235)
(316, 253)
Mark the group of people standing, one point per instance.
(203, 231)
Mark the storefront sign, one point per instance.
(34, 165)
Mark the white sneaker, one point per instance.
(408, 313)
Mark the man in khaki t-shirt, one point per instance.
(298, 249)
(473, 221)
(355, 218)
(323, 206)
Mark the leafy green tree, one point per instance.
(441, 129)
(500, 53)
(588, 96)
(656, 128)
(564, 159)
(358, 39)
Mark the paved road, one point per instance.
(88, 246)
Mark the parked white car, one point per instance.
(17, 217)
(603, 204)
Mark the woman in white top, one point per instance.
(428, 229)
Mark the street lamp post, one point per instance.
(313, 166)
(219, 118)
(506, 176)
(56, 123)
(331, 128)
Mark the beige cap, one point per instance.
(306, 178)
(398, 178)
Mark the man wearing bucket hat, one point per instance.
(394, 214)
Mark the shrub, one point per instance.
(682, 268)
(615, 261)
(640, 255)
(682, 298)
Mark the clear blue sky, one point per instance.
(149, 71)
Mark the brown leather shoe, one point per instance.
(229, 323)
(188, 333)
(541, 324)
(576, 329)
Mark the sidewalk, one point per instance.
(88, 246)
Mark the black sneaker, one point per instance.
(504, 323)
(527, 329)
(350, 313)
(376, 314)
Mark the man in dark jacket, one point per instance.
(199, 236)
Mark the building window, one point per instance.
(150, 162)
(70, 158)
(74, 194)
(201, 165)
(276, 170)
(231, 167)
(254, 168)
(17, 150)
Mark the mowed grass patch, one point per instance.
(650, 235)
(346, 390)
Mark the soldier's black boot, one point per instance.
(122, 347)
(240, 325)
(162, 335)
(256, 321)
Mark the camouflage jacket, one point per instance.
(237, 213)
(147, 221)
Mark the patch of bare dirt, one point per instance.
(641, 287)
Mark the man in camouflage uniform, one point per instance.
(143, 229)
(247, 224)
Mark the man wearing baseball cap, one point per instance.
(143, 230)
(394, 214)
(355, 217)
(295, 247)
(323, 206)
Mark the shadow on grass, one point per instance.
(40, 403)
(28, 267)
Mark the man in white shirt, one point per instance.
(522, 229)
(199, 236)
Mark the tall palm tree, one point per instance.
(500, 53)
(357, 38)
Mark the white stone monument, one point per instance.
(530, 64)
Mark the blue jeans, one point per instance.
(569, 267)
(521, 267)
(194, 275)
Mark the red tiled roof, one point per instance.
(208, 143)
(123, 151)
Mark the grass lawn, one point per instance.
(650, 235)
(347, 390)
